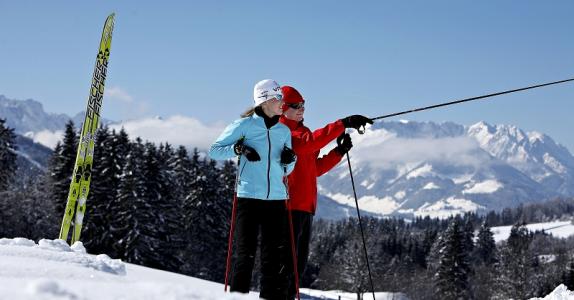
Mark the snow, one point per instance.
(559, 229)
(50, 270)
(462, 178)
(53, 270)
(373, 204)
(559, 293)
(554, 164)
(420, 172)
(446, 207)
(485, 187)
(431, 186)
(368, 185)
(350, 296)
(400, 194)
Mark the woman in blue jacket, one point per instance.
(264, 147)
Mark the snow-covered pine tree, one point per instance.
(119, 151)
(468, 234)
(484, 254)
(61, 168)
(516, 266)
(156, 216)
(7, 155)
(207, 214)
(173, 241)
(451, 278)
(105, 177)
(485, 250)
(7, 170)
(131, 195)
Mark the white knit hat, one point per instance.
(265, 90)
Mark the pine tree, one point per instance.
(451, 279)
(105, 175)
(485, 251)
(516, 266)
(131, 196)
(207, 214)
(569, 275)
(7, 155)
(61, 168)
(173, 239)
(120, 149)
(484, 277)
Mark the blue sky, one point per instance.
(200, 59)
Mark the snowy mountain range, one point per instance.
(404, 168)
(29, 116)
(29, 119)
(428, 169)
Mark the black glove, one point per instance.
(344, 144)
(287, 156)
(247, 151)
(356, 121)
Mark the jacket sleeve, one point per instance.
(310, 142)
(327, 162)
(291, 166)
(222, 148)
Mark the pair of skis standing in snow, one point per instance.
(276, 188)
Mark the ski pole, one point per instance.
(361, 226)
(291, 234)
(470, 99)
(232, 227)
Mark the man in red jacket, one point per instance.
(303, 180)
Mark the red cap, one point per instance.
(291, 95)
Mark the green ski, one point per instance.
(80, 185)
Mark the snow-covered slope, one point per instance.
(429, 169)
(559, 293)
(53, 270)
(558, 229)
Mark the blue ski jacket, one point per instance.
(257, 179)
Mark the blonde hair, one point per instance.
(250, 111)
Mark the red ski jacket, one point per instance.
(309, 166)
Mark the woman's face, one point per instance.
(273, 106)
(295, 111)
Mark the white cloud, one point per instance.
(117, 93)
(46, 137)
(393, 151)
(177, 130)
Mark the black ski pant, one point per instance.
(302, 226)
(270, 218)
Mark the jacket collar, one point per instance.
(269, 122)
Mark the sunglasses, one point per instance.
(296, 105)
(269, 97)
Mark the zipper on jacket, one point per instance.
(268, 165)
